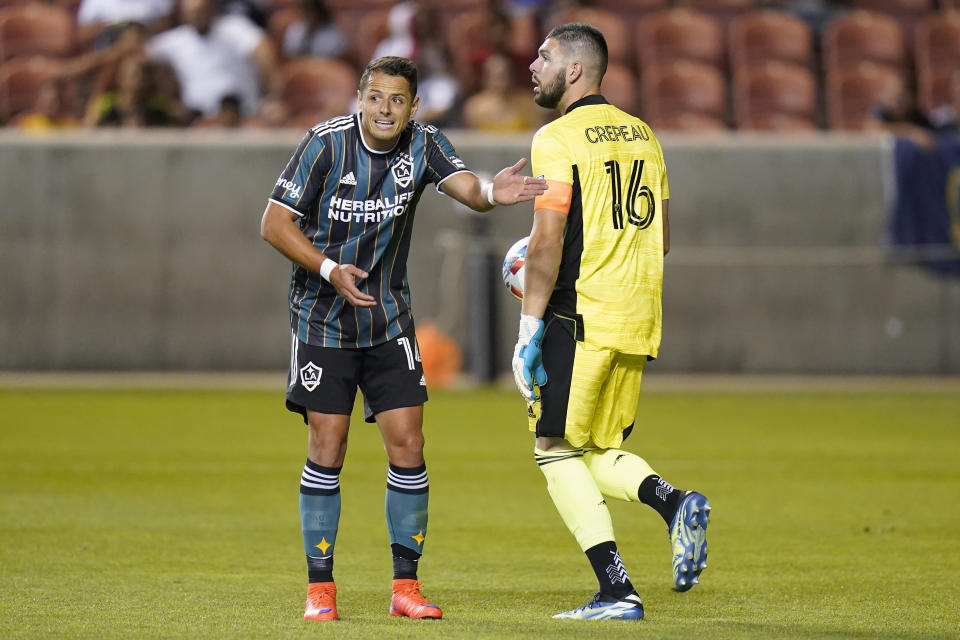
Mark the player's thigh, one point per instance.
(322, 379)
(392, 375)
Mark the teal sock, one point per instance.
(319, 518)
(408, 492)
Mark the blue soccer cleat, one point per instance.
(627, 608)
(688, 537)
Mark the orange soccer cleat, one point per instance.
(408, 601)
(321, 601)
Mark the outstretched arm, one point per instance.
(279, 229)
(507, 187)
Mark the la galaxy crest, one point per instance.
(402, 170)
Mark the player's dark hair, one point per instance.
(586, 36)
(392, 66)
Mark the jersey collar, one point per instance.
(363, 140)
(587, 100)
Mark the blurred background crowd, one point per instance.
(691, 65)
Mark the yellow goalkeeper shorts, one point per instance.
(591, 395)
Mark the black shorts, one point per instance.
(326, 379)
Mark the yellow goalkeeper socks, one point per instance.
(618, 473)
(576, 496)
(622, 475)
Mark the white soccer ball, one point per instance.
(513, 267)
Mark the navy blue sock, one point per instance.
(408, 491)
(319, 518)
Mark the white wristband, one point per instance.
(326, 267)
(487, 190)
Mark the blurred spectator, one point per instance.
(216, 56)
(315, 35)
(497, 38)
(254, 10)
(897, 112)
(415, 33)
(499, 106)
(133, 96)
(100, 22)
(229, 116)
(400, 24)
(439, 89)
(50, 111)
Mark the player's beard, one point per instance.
(551, 93)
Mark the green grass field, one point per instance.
(173, 514)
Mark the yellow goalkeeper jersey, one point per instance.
(606, 171)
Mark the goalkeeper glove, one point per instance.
(528, 358)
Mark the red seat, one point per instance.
(721, 10)
(679, 34)
(36, 29)
(632, 9)
(620, 88)
(761, 36)
(364, 30)
(325, 87)
(617, 31)
(683, 87)
(775, 96)
(910, 9)
(937, 55)
(690, 122)
(864, 36)
(852, 91)
(21, 80)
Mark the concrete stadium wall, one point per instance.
(142, 251)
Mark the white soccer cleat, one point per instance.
(627, 608)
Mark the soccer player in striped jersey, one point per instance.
(591, 316)
(342, 211)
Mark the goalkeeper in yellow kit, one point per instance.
(591, 316)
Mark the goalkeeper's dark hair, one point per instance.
(392, 66)
(586, 37)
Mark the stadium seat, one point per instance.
(937, 55)
(620, 87)
(36, 29)
(679, 34)
(326, 88)
(720, 10)
(616, 29)
(21, 80)
(775, 96)
(632, 9)
(852, 91)
(936, 88)
(906, 9)
(760, 36)
(671, 89)
(864, 36)
(364, 31)
(689, 122)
